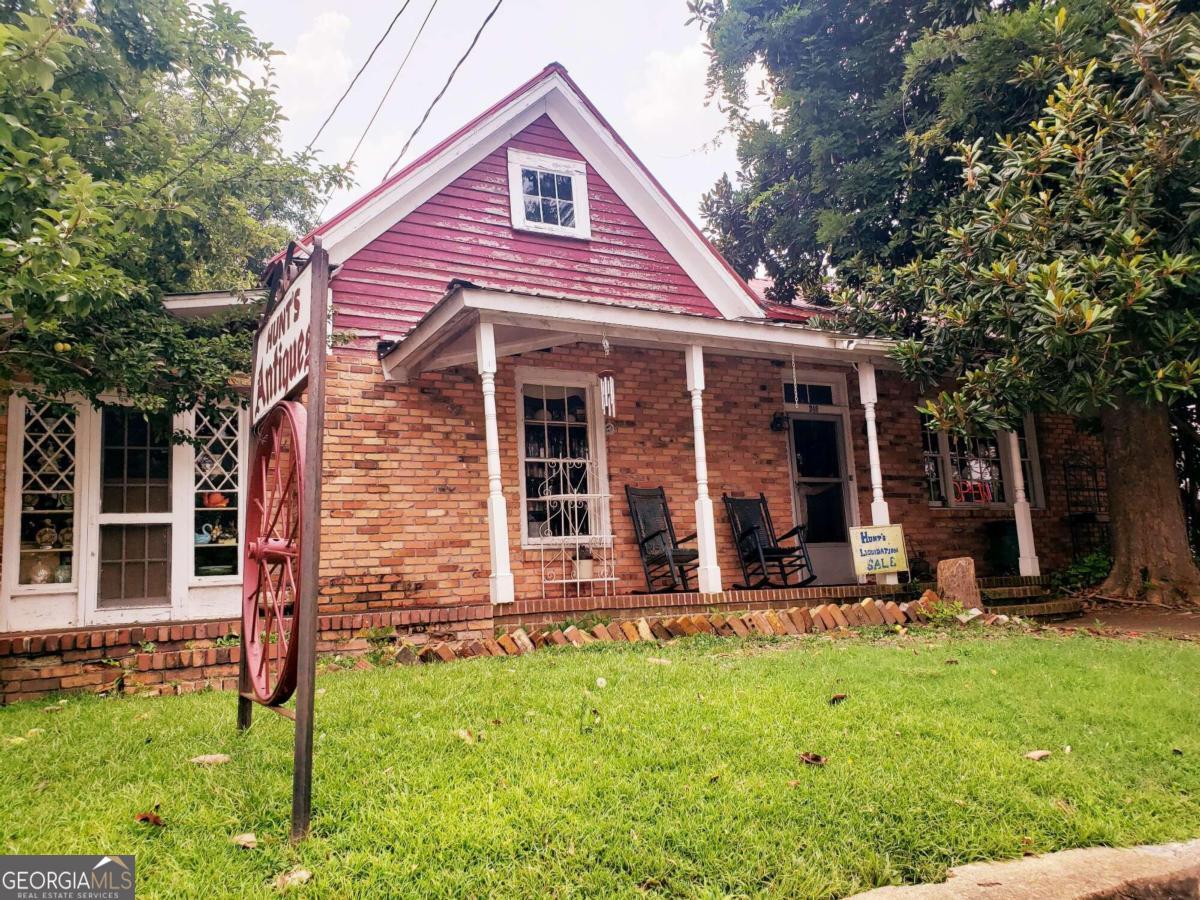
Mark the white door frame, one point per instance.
(839, 410)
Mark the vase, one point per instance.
(62, 574)
(40, 572)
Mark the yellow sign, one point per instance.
(878, 549)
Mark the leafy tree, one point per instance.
(137, 157)
(868, 95)
(1065, 276)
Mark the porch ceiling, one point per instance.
(524, 322)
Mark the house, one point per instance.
(531, 325)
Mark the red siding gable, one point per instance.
(465, 231)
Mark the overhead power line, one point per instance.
(445, 87)
(361, 69)
(391, 84)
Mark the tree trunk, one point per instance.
(1151, 555)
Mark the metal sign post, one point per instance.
(310, 543)
(281, 577)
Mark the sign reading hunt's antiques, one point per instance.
(281, 348)
(878, 549)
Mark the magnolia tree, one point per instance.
(1065, 276)
(139, 154)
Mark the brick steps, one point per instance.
(1019, 592)
(1039, 609)
(831, 617)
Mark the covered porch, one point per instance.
(582, 399)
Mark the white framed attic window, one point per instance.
(548, 194)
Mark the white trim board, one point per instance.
(580, 320)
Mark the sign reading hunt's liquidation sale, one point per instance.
(878, 549)
(281, 352)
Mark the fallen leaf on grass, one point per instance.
(210, 759)
(465, 735)
(246, 841)
(952, 662)
(1067, 748)
(52, 709)
(1177, 751)
(794, 783)
(141, 716)
(291, 879)
(658, 661)
(836, 699)
(150, 818)
(813, 759)
(1037, 755)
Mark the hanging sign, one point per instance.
(281, 347)
(878, 549)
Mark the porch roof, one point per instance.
(527, 321)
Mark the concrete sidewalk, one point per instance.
(1163, 872)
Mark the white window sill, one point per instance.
(551, 231)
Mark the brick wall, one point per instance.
(407, 484)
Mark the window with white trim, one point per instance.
(135, 509)
(47, 517)
(977, 470)
(562, 481)
(548, 194)
(108, 520)
(217, 474)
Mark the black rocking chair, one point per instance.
(759, 549)
(666, 564)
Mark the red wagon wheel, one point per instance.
(271, 583)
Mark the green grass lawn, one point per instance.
(600, 772)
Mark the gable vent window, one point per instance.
(548, 194)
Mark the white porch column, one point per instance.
(706, 529)
(869, 396)
(501, 581)
(1028, 563)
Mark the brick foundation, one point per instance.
(189, 656)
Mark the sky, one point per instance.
(635, 59)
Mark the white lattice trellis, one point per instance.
(49, 461)
(217, 453)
